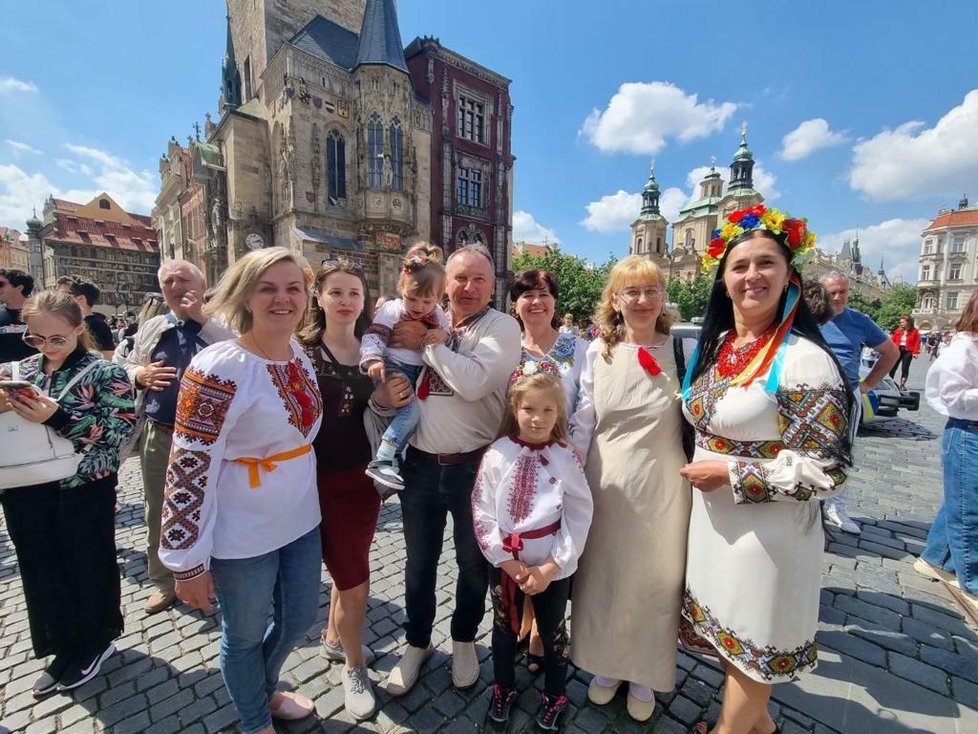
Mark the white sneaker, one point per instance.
(465, 665)
(336, 653)
(837, 517)
(405, 673)
(935, 572)
(358, 694)
(386, 474)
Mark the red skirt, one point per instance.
(350, 506)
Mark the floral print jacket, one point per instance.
(97, 415)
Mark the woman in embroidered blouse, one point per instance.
(771, 411)
(347, 499)
(64, 532)
(628, 588)
(240, 513)
(545, 349)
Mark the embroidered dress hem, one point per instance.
(766, 664)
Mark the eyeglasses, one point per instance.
(634, 294)
(37, 341)
(351, 264)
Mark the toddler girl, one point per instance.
(531, 510)
(420, 287)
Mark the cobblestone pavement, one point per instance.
(896, 655)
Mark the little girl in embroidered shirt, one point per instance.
(531, 511)
(420, 287)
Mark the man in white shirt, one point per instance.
(461, 394)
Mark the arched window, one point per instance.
(397, 155)
(375, 152)
(335, 166)
(638, 246)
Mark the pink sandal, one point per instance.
(291, 706)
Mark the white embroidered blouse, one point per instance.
(523, 487)
(233, 406)
(374, 345)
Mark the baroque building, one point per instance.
(13, 250)
(336, 141)
(948, 274)
(98, 241)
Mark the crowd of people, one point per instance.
(667, 489)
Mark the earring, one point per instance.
(785, 287)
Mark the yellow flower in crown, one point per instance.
(792, 232)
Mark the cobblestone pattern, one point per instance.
(896, 655)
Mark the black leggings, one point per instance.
(906, 357)
(65, 544)
(549, 607)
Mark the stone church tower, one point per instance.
(323, 146)
(649, 230)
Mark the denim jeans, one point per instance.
(431, 491)
(405, 422)
(283, 583)
(952, 543)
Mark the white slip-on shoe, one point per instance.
(405, 674)
(935, 572)
(837, 517)
(465, 665)
(598, 694)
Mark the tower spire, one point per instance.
(650, 194)
(742, 166)
(231, 79)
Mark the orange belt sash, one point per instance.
(269, 463)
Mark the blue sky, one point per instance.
(861, 115)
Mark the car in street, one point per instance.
(884, 401)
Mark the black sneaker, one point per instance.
(386, 474)
(48, 682)
(84, 669)
(552, 710)
(501, 703)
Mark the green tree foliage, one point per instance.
(580, 283)
(887, 310)
(690, 296)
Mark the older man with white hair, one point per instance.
(161, 351)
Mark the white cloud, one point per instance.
(10, 84)
(18, 147)
(808, 137)
(671, 201)
(896, 240)
(765, 182)
(915, 161)
(21, 191)
(613, 212)
(528, 229)
(642, 115)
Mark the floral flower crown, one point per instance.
(799, 239)
(415, 262)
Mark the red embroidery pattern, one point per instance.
(299, 393)
(202, 406)
(186, 481)
(524, 487)
(731, 360)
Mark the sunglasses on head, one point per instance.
(337, 263)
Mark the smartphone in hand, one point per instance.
(21, 387)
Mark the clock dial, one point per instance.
(254, 241)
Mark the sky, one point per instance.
(862, 116)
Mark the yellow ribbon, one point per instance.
(269, 463)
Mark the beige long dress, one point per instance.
(628, 588)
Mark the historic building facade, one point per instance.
(326, 142)
(948, 274)
(13, 250)
(98, 241)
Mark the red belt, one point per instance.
(513, 543)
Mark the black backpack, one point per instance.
(689, 434)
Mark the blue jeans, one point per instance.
(431, 491)
(405, 422)
(285, 583)
(952, 543)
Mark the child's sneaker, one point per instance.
(552, 710)
(386, 474)
(501, 703)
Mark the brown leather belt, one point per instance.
(449, 459)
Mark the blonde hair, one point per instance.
(60, 304)
(537, 382)
(630, 270)
(239, 281)
(423, 271)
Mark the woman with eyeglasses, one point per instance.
(64, 532)
(628, 588)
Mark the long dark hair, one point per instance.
(719, 318)
(316, 323)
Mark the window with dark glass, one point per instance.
(336, 166)
(471, 119)
(397, 155)
(375, 152)
(469, 187)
